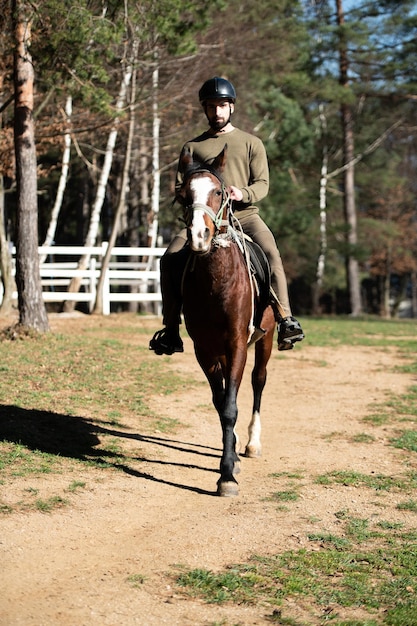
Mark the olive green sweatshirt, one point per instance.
(246, 164)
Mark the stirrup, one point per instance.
(289, 332)
(166, 341)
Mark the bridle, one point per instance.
(216, 218)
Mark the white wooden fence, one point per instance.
(128, 280)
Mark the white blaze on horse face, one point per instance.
(200, 188)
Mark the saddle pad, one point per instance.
(261, 272)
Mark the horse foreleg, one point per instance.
(214, 375)
(216, 381)
(229, 464)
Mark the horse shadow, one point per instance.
(79, 438)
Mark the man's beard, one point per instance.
(218, 126)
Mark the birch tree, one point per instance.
(321, 262)
(98, 307)
(153, 225)
(50, 235)
(91, 238)
(7, 280)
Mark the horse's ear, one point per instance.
(186, 159)
(220, 160)
(185, 162)
(180, 197)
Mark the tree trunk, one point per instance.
(352, 265)
(32, 311)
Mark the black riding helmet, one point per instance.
(217, 88)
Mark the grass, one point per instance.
(370, 570)
(83, 373)
(136, 580)
(377, 482)
(364, 331)
(66, 400)
(21, 461)
(72, 393)
(46, 506)
(407, 440)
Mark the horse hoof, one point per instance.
(227, 489)
(252, 452)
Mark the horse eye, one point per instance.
(218, 192)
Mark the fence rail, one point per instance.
(136, 279)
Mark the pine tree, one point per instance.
(32, 312)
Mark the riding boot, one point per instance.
(289, 332)
(168, 340)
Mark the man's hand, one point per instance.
(235, 193)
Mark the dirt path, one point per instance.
(75, 566)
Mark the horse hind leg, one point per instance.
(263, 350)
(253, 448)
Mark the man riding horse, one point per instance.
(246, 174)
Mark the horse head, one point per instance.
(204, 198)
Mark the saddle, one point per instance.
(261, 276)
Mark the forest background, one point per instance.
(329, 86)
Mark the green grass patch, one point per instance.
(409, 505)
(20, 461)
(73, 393)
(48, 505)
(295, 475)
(380, 580)
(284, 496)
(75, 486)
(378, 482)
(136, 580)
(406, 441)
(378, 419)
(363, 438)
(364, 331)
(401, 407)
(85, 371)
(331, 541)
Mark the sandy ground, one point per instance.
(75, 565)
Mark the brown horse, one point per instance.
(218, 308)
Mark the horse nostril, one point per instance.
(206, 234)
